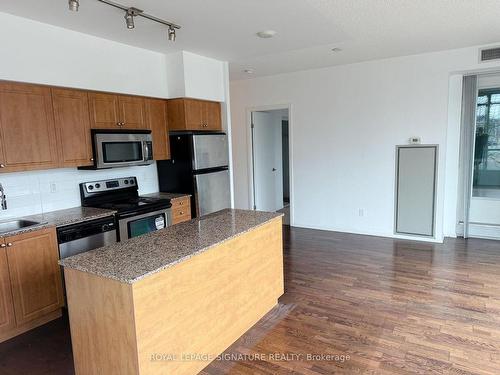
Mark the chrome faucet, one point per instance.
(3, 198)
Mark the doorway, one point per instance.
(480, 164)
(270, 155)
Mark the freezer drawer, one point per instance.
(210, 151)
(212, 192)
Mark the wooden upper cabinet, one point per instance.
(132, 112)
(194, 114)
(194, 110)
(71, 115)
(7, 319)
(103, 110)
(27, 139)
(110, 111)
(156, 111)
(35, 275)
(212, 113)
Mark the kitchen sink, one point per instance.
(8, 226)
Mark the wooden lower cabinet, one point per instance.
(7, 319)
(34, 280)
(181, 209)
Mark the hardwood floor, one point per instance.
(393, 307)
(386, 306)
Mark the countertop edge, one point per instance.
(171, 264)
(45, 223)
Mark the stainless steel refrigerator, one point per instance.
(198, 166)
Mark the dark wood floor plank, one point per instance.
(392, 306)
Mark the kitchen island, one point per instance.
(170, 301)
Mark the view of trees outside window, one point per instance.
(487, 143)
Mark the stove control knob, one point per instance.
(126, 182)
(132, 182)
(97, 186)
(105, 227)
(90, 187)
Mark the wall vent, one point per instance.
(488, 54)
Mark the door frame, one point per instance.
(250, 166)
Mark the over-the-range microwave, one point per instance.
(121, 148)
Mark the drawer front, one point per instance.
(181, 202)
(181, 210)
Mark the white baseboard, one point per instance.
(478, 230)
(370, 233)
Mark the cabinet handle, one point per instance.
(182, 212)
(3, 245)
(2, 165)
(9, 244)
(181, 203)
(91, 159)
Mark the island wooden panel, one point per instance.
(102, 324)
(198, 307)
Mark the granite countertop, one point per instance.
(60, 218)
(139, 257)
(166, 195)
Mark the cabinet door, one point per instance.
(195, 114)
(132, 112)
(157, 121)
(34, 273)
(71, 114)
(7, 319)
(212, 112)
(27, 128)
(175, 114)
(103, 111)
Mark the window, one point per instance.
(487, 144)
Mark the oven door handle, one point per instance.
(144, 214)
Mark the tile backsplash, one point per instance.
(36, 192)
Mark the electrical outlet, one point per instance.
(361, 212)
(53, 187)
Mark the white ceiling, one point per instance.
(307, 29)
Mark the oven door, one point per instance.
(122, 149)
(137, 225)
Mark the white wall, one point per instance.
(195, 76)
(344, 124)
(43, 191)
(40, 53)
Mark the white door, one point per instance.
(267, 160)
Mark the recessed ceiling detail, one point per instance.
(266, 34)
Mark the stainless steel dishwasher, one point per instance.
(88, 235)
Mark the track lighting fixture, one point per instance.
(129, 17)
(171, 34)
(73, 5)
(129, 20)
(130, 14)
